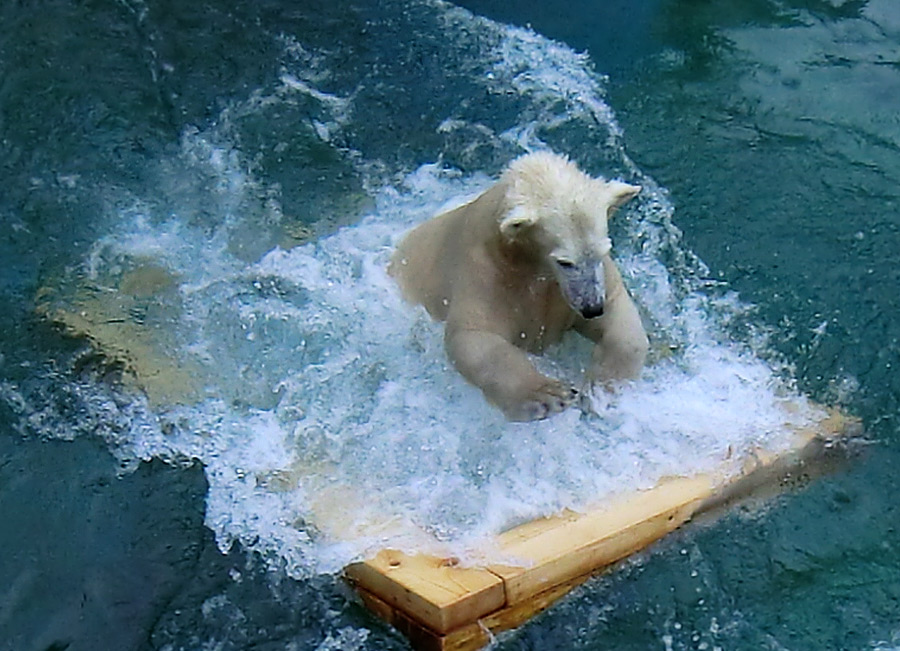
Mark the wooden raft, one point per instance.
(435, 602)
(440, 606)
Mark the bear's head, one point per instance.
(559, 215)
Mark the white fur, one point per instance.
(514, 269)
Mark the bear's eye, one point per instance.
(566, 264)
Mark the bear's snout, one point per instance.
(592, 311)
(584, 288)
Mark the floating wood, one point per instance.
(441, 606)
(437, 603)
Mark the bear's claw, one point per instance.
(549, 399)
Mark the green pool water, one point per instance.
(207, 134)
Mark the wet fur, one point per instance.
(517, 267)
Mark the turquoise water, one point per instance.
(256, 163)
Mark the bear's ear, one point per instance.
(621, 193)
(515, 222)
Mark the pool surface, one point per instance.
(207, 378)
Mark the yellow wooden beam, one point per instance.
(555, 550)
(434, 591)
(441, 606)
(474, 635)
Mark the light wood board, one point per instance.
(440, 605)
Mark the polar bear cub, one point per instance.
(514, 269)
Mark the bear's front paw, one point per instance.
(550, 398)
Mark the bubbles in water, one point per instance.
(345, 639)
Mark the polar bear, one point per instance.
(514, 269)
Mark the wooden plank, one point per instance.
(472, 636)
(420, 636)
(556, 550)
(477, 635)
(105, 316)
(765, 472)
(555, 554)
(433, 591)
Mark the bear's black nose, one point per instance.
(592, 311)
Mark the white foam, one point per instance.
(359, 390)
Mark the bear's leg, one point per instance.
(622, 346)
(506, 376)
